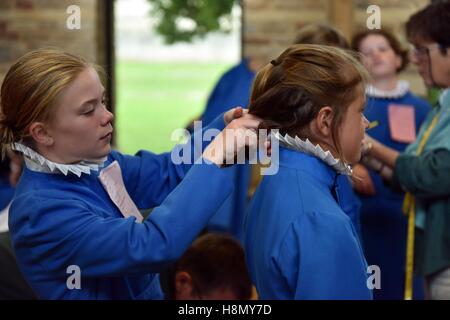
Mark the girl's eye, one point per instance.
(89, 111)
(104, 100)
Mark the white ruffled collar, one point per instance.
(306, 146)
(400, 90)
(36, 162)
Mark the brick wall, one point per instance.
(269, 26)
(30, 24)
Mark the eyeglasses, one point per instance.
(421, 52)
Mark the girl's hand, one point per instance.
(233, 140)
(234, 113)
(367, 145)
(362, 183)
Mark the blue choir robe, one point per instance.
(233, 89)
(383, 225)
(59, 221)
(299, 242)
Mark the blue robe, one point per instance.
(58, 221)
(233, 89)
(383, 224)
(299, 242)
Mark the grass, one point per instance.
(154, 99)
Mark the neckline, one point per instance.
(38, 163)
(400, 90)
(307, 147)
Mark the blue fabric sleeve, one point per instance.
(150, 177)
(68, 232)
(215, 102)
(426, 176)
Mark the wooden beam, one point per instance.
(341, 16)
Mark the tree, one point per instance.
(184, 20)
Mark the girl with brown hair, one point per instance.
(300, 243)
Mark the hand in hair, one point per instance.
(238, 135)
(234, 113)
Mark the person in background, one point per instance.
(390, 103)
(300, 243)
(6, 188)
(213, 268)
(12, 283)
(422, 170)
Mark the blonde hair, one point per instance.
(289, 92)
(30, 89)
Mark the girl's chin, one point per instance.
(354, 159)
(104, 151)
(382, 74)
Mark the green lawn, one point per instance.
(153, 99)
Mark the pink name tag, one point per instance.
(111, 179)
(402, 123)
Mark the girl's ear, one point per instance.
(183, 286)
(323, 121)
(40, 134)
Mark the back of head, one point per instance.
(30, 89)
(321, 34)
(289, 92)
(216, 262)
(431, 24)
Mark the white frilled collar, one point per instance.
(306, 146)
(400, 90)
(36, 162)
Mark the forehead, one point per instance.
(373, 39)
(419, 40)
(86, 84)
(360, 97)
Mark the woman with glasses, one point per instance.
(383, 225)
(423, 169)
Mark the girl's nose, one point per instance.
(366, 122)
(108, 117)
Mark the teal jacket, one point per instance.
(427, 177)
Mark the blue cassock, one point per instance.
(299, 242)
(58, 221)
(233, 89)
(382, 223)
